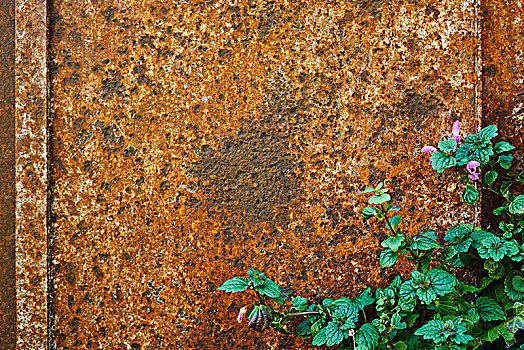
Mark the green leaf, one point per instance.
(503, 146)
(441, 281)
(394, 243)
(367, 336)
(269, 288)
(447, 146)
(300, 304)
(490, 177)
(388, 258)
(235, 285)
(334, 335)
(470, 195)
(447, 305)
(441, 161)
(500, 210)
(303, 329)
(369, 189)
(518, 284)
(462, 155)
(320, 338)
(505, 161)
(400, 345)
(488, 309)
(364, 299)
(368, 212)
(426, 240)
(395, 220)
(488, 132)
(517, 206)
(432, 330)
(505, 186)
(383, 198)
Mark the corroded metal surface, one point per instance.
(195, 139)
(31, 173)
(7, 179)
(503, 78)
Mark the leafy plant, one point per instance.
(432, 308)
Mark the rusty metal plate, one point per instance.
(503, 79)
(31, 173)
(193, 139)
(7, 181)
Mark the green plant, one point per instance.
(432, 308)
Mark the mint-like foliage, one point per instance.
(432, 307)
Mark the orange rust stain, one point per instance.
(194, 140)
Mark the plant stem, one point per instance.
(304, 313)
(387, 220)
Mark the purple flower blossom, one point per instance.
(428, 149)
(472, 170)
(456, 131)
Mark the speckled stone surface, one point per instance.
(7, 178)
(31, 173)
(194, 140)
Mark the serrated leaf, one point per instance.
(503, 146)
(300, 304)
(447, 305)
(303, 329)
(320, 338)
(488, 309)
(235, 285)
(367, 336)
(482, 155)
(489, 132)
(364, 299)
(383, 198)
(447, 146)
(462, 155)
(456, 234)
(505, 161)
(432, 330)
(470, 195)
(517, 206)
(441, 281)
(490, 177)
(518, 284)
(441, 161)
(394, 243)
(334, 335)
(388, 258)
(269, 288)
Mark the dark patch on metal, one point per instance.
(7, 181)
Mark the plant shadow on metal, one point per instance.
(432, 308)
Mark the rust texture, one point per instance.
(31, 173)
(503, 78)
(194, 139)
(7, 179)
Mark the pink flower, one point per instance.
(241, 314)
(456, 131)
(472, 170)
(428, 149)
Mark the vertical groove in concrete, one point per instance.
(7, 184)
(31, 173)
